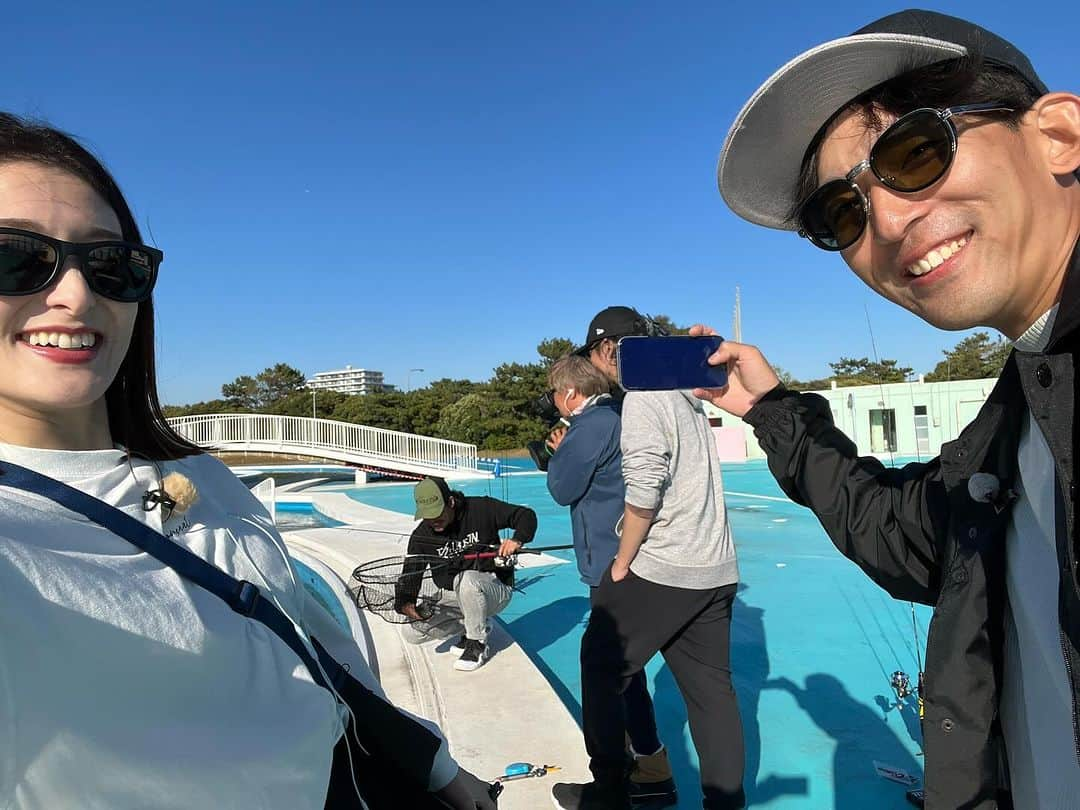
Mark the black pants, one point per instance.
(630, 622)
(638, 707)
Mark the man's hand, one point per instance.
(750, 377)
(635, 528)
(508, 547)
(466, 792)
(410, 610)
(555, 438)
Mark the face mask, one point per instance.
(587, 402)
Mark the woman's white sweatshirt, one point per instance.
(123, 685)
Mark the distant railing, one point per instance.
(340, 440)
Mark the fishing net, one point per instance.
(376, 585)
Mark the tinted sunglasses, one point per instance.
(910, 155)
(121, 271)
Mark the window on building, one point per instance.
(922, 429)
(883, 430)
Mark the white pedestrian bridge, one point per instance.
(374, 449)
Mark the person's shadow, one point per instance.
(860, 735)
(544, 626)
(750, 673)
(908, 708)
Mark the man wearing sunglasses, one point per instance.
(927, 151)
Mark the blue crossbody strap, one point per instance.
(240, 595)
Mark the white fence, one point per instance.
(266, 491)
(326, 438)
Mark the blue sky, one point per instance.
(442, 186)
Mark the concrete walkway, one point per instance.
(501, 713)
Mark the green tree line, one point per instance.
(500, 413)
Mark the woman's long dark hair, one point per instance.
(134, 412)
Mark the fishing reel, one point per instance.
(901, 684)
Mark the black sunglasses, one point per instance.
(121, 271)
(910, 155)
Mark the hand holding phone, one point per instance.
(669, 363)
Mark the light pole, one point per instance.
(313, 403)
(408, 379)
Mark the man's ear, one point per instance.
(1057, 119)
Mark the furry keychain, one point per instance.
(181, 491)
(175, 495)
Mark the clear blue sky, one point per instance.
(441, 186)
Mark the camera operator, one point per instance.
(541, 450)
(586, 475)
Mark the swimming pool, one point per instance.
(318, 588)
(298, 515)
(814, 646)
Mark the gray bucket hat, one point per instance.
(763, 153)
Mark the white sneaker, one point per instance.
(458, 647)
(473, 656)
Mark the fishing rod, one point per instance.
(365, 529)
(486, 555)
(900, 682)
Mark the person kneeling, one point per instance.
(454, 526)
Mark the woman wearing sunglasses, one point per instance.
(927, 152)
(123, 682)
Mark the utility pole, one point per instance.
(408, 378)
(736, 326)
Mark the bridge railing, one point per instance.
(281, 433)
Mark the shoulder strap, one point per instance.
(240, 595)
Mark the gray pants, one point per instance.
(477, 596)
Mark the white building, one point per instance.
(909, 419)
(349, 380)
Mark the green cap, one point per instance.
(429, 500)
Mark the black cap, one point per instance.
(931, 24)
(764, 150)
(614, 323)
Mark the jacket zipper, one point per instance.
(585, 541)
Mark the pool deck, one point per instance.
(814, 647)
(504, 712)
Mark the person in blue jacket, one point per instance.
(586, 474)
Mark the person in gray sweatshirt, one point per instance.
(670, 588)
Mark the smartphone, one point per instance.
(668, 363)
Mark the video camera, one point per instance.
(544, 407)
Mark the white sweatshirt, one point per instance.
(124, 686)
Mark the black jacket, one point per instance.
(921, 535)
(477, 522)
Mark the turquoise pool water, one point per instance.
(814, 645)
(301, 516)
(317, 587)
